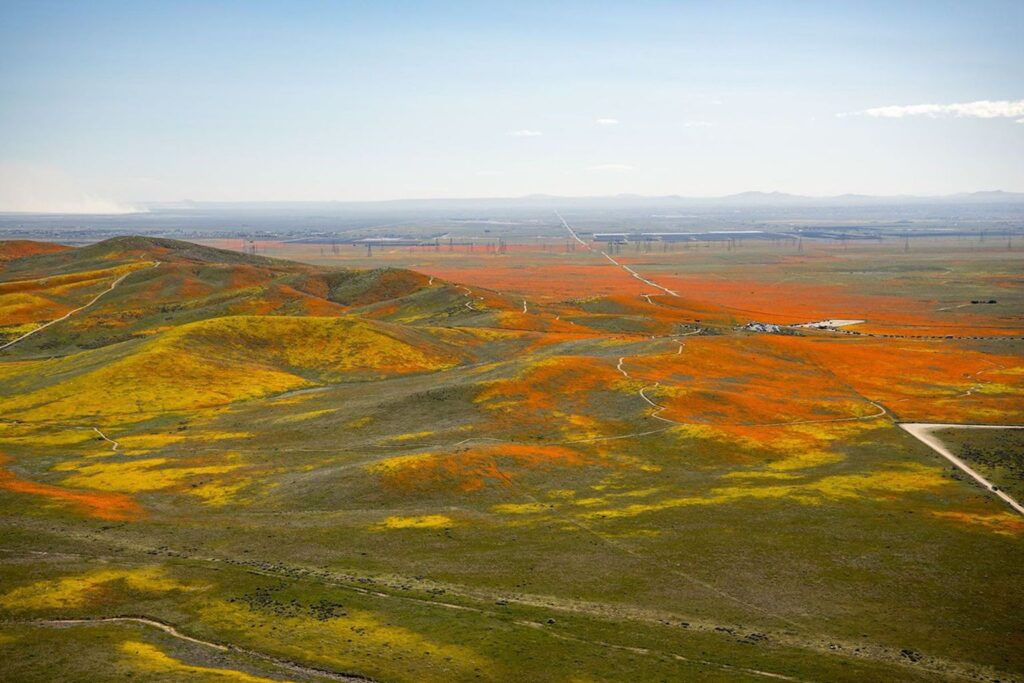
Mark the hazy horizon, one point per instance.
(113, 105)
(753, 199)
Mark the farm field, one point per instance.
(546, 463)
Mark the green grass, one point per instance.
(677, 553)
(997, 454)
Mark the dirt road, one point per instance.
(922, 431)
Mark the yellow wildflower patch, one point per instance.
(805, 460)
(143, 443)
(138, 475)
(359, 640)
(75, 591)
(151, 659)
(411, 436)
(520, 508)
(760, 474)
(417, 522)
(398, 462)
(218, 493)
(50, 437)
(302, 417)
(875, 485)
(223, 360)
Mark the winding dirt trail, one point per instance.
(70, 313)
(103, 436)
(882, 412)
(659, 407)
(923, 432)
(220, 647)
(468, 295)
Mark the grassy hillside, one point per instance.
(229, 467)
(218, 361)
(171, 283)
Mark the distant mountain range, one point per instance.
(289, 215)
(746, 199)
(983, 197)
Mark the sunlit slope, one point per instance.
(218, 361)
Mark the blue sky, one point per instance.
(107, 103)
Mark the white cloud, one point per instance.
(697, 124)
(41, 188)
(525, 133)
(610, 168)
(982, 109)
(607, 122)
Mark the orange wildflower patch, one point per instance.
(47, 298)
(512, 320)
(772, 294)
(958, 326)
(473, 468)
(1002, 523)
(57, 281)
(103, 505)
(562, 383)
(173, 282)
(391, 284)
(15, 249)
(795, 302)
(541, 282)
(314, 285)
(243, 276)
(312, 305)
(193, 288)
(185, 280)
(743, 381)
(922, 381)
(794, 448)
(661, 306)
(22, 308)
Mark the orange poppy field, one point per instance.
(549, 461)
